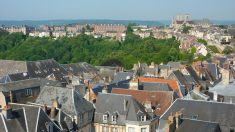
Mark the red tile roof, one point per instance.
(172, 83)
(162, 99)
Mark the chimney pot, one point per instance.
(53, 112)
(45, 108)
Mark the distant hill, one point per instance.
(84, 21)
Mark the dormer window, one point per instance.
(28, 92)
(143, 118)
(114, 119)
(105, 118)
(195, 117)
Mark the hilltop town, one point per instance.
(183, 82)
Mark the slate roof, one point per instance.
(18, 85)
(223, 113)
(228, 91)
(164, 67)
(19, 76)
(121, 84)
(70, 100)
(212, 68)
(155, 86)
(120, 76)
(161, 100)
(15, 70)
(79, 68)
(192, 95)
(12, 67)
(172, 83)
(190, 79)
(180, 77)
(27, 117)
(189, 125)
(174, 65)
(44, 68)
(193, 73)
(114, 103)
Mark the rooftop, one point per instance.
(161, 100)
(172, 83)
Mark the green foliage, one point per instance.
(203, 41)
(86, 48)
(129, 28)
(223, 26)
(186, 29)
(213, 48)
(228, 51)
(203, 58)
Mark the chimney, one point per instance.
(215, 97)
(45, 108)
(178, 119)
(7, 112)
(55, 105)
(171, 119)
(125, 103)
(170, 124)
(53, 112)
(197, 88)
(11, 97)
(134, 84)
(110, 79)
(105, 89)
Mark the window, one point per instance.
(114, 129)
(105, 118)
(131, 129)
(28, 92)
(194, 117)
(114, 119)
(105, 129)
(143, 118)
(143, 129)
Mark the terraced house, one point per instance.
(122, 113)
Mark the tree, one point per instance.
(227, 51)
(203, 41)
(91, 50)
(186, 29)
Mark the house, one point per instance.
(122, 113)
(186, 42)
(221, 113)
(26, 118)
(154, 101)
(71, 103)
(201, 49)
(173, 84)
(196, 94)
(83, 70)
(125, 84)
(190, 125)
(120, 76)
(20, 91)
(18, 29)
(49, 69)
(183, 82)
(223, 92)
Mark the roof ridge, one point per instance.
(199, 120)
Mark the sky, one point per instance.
(115, 9)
